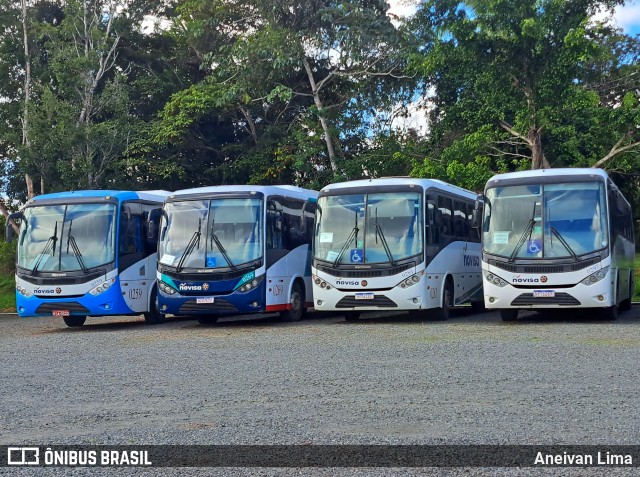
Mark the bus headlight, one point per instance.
(250, 285)
(24, 292)
(409, 282)
(321, 283)
(169, 290)
(596, 277)
(103, 287)
(493, 278)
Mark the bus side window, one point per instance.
(444, 216)
(275, 224)
(130, 234)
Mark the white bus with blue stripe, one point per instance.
(235, 250)
(395, 244)
(554, 239)
(88, 253)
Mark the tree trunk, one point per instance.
(538, 161)
(30, 190)
(323, 121)
(27, 93)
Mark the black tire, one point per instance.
(478, 307)
(508, 314)
(352, 316)
(610, 313)
(625, 305)
(74, 321)
(442, 314)
(207, 320)
(153, 316)
(296, 300)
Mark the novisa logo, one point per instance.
(187, 287)
(347, 282)
(471, 261)
(519, 279)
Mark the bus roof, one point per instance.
(286, 190)
(400, 181)
(547, 174)
(122, 195)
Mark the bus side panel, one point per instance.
(282, 274)
(461, 261)
(136, 282)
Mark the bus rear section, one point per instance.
(236, 250)
(395, 244)
(87, 253)
(556, 239)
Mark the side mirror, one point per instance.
(9, 232)
(153, 223)
(476, 215)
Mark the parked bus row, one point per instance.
(533, 240)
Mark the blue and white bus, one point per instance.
(88, 253)
(236, 249)
(395, 244)
(556, 238)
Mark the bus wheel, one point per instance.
(442, 314)
(73, 321)
(153, 316)
(610, 313)
(509, 314)
(352, 315)
(297, 305)
(207, 320)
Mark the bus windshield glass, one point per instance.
(69, 237)
(211, 233)
(545, 220)
(369, 228)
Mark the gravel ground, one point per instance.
(389, 379)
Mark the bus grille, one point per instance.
(219, 305)
(365, 273)
(572, 267)
(72, 306)
(562, 299)
(380, 301)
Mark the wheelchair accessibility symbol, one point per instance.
(356, 255)
(534, 247)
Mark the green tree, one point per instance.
(516, 84)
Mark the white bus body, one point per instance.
(395, 244)
(556, 238)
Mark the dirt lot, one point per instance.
(563, 379)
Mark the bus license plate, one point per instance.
(365, 296)
(205, 300)
(60, 312)
(544, 293)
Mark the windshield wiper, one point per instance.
(193, 242)
(555, 232)
(50, 246)
(526, 232)
(223, 251)
(385, 245)
(76, 250)
(352, 236)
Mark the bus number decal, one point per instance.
(278, 290)
(135, 293)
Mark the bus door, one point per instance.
(136, 267)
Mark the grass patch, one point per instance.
(7, 293)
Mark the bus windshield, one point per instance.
(368, 228)
(545, 220)
(211, 233)
(67, 237)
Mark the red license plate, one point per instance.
(60, 313)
